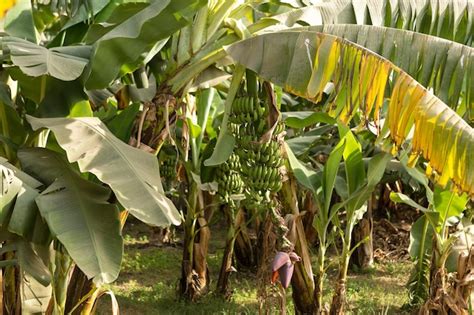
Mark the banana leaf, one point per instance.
(78, 214)
(132, 174)
(444, 65)
(450, 19)
(304, 62)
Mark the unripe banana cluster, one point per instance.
(260, 161)
(228, 178)
(247, 109)
(168, 167)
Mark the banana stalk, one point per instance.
(59, 282)
(226, 266)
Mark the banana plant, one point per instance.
(431, 240)
(354, 192)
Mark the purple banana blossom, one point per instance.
(283, 266)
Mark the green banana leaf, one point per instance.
(450, 19)
(19, 21)
(22, 226)
(132, 174)
(124, 43)
(78, 214)
(64, 63)
(304, 62)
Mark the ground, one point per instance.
(148, 281)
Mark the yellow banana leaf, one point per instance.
(5, 5)
(302, 62)
(443, 65)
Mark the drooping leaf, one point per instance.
(355, 168)
(132, 174)
(30, 261)
(434, 62)
(64, 63)
(421, 236)
(302, 63)
(78, 214)
(376, 169)
(35, 297)
(22, 225)
(226, 141)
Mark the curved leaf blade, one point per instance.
(439, 134)
(78, 214)
(434, 62)
(132, 174)
(64, 63)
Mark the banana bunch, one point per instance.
(246, 109)
(228, 178)
(266, 153)
(260, 162)
(262, 177)
(168, 167)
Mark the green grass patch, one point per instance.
(149, 279)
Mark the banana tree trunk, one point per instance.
(245, 244)
(78, 287)
(463, 285)
(363, 256)
(319, 280)
(194, 280)
(11, 289)
(63, 264)
(339, 297)
(302, 280)
(226, 266)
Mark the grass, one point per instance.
(148, 282)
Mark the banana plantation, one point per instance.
(236, 157)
